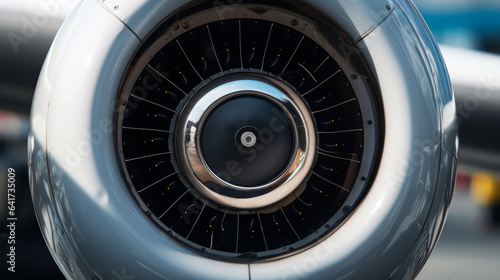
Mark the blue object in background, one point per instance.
(466, 24)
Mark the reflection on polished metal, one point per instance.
(204, 101)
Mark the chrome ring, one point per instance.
(190, 156)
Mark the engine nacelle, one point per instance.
(243, 140)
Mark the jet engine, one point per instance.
(242, 139)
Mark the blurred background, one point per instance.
(469, 248)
